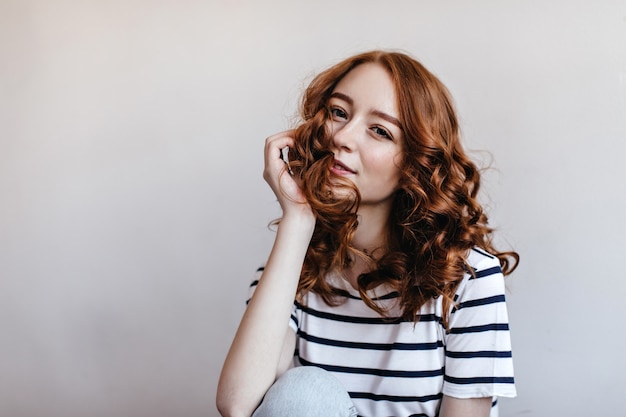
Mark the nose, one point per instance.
(344, 137)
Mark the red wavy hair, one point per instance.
(435, 219)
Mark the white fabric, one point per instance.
(398, 368)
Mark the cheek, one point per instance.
(397, 165)
(394, 172)
(386, 168)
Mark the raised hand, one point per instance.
(276, 173)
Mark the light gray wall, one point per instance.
(133, 213)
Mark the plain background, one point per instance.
(133, 213)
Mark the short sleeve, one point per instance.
(293, 320)
(479, 361)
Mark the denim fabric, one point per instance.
(306, 391)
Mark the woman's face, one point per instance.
(367, 140)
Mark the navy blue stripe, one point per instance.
(425, 318)
(479, 354)
(395, 398)
(364, 320)
(252, 284)
(348, 295)
(488, 255)
(480, 380)
(389, 296)
(349, 319)
(487, 272)
(377, 372)
(482, 301)
(478, 329)
(370, 346)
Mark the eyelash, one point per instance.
(382, 132)
(335, 110)
(339, 113)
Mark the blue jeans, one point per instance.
(306, 391)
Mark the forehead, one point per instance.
(370, 84)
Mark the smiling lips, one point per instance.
(339, 168)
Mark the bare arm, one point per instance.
(263, 344)
(468, 407)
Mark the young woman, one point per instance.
(383, 294)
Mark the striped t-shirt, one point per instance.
(393, 367)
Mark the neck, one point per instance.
(371, 238)
(371, 233)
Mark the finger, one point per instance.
(277, 143)
(288, 133)
(274, 146)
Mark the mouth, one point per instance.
(340, 168)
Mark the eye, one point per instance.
(338, 114)
(383, 133)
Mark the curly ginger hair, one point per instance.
(435, 219)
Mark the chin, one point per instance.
(341, 189)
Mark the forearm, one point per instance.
(467, 407)
(254, 357)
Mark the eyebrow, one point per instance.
(378, 113)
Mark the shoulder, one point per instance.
(484, 280)
(480, 261)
